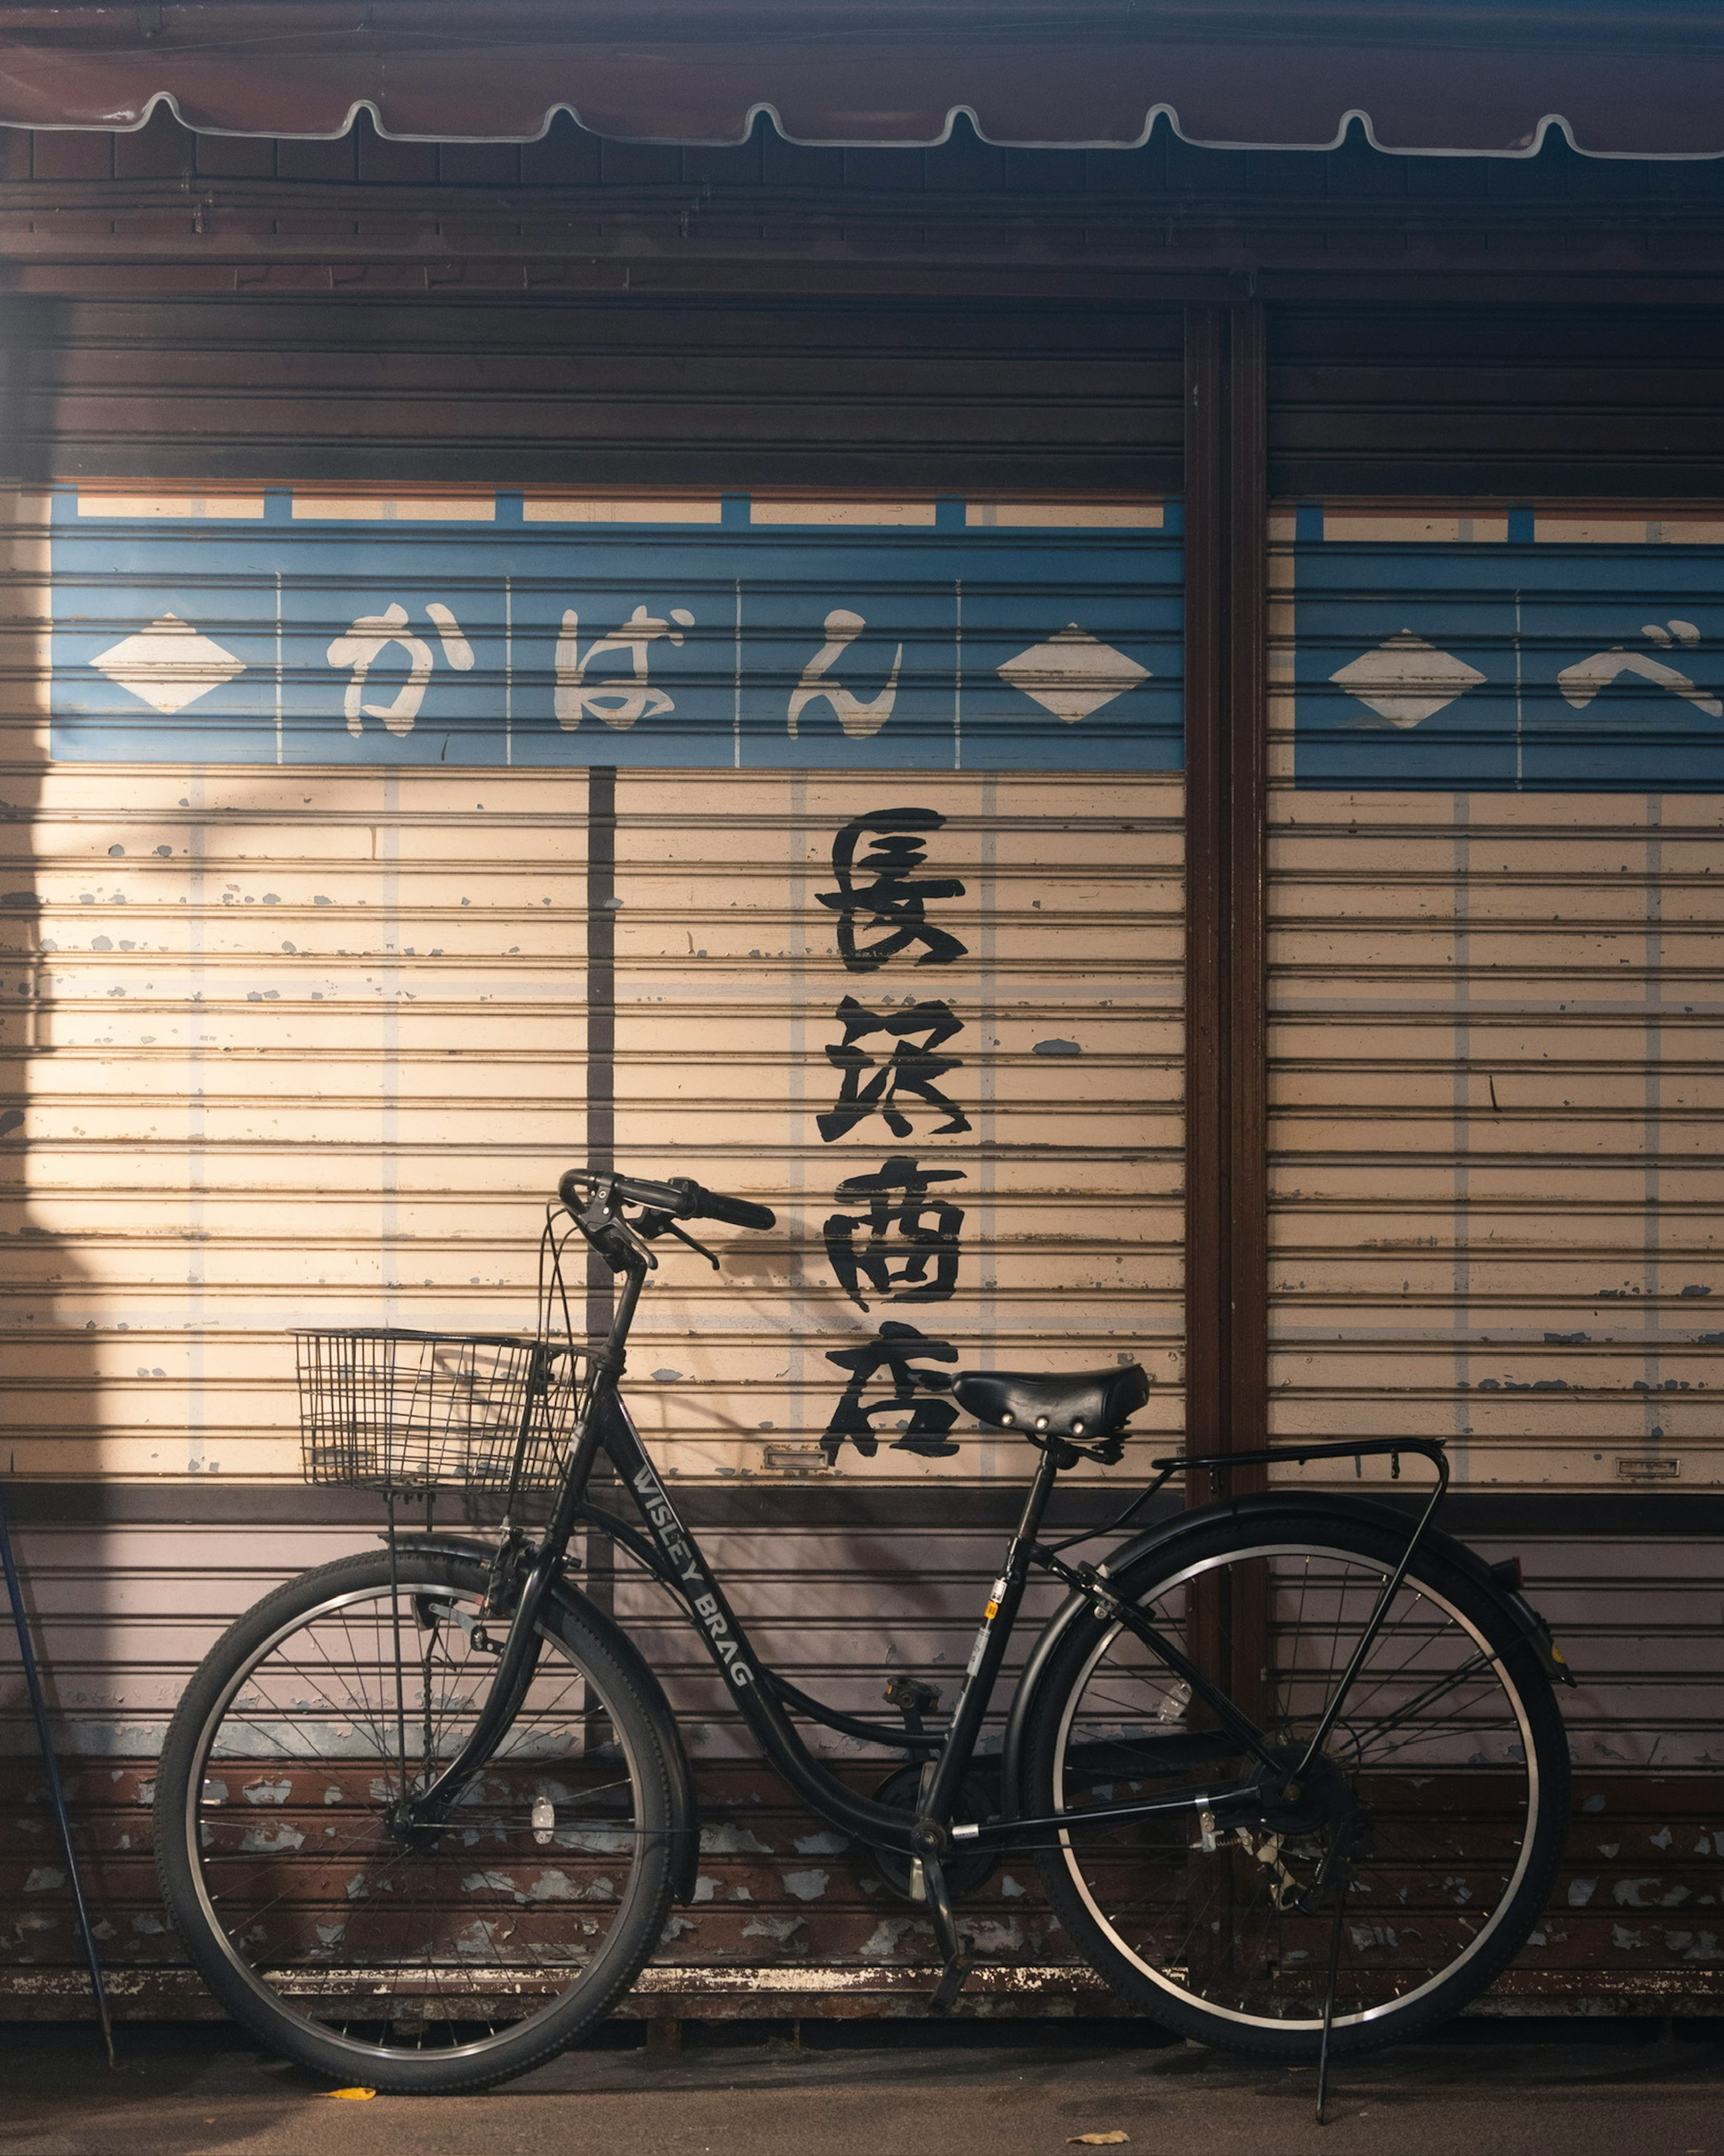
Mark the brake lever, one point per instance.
(682, 1236)
(656, 1222)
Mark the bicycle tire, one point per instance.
(1463, 1839)
(302, 1913)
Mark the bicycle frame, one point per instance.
(670, 1551)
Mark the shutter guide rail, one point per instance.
(1226, 1232)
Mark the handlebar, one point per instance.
(737, 1212)
(681, 1198)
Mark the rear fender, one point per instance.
(685, 1822)
(1278, 1510)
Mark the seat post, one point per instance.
(1035, 1504)
(991, 1643)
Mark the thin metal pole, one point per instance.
(38, 1707)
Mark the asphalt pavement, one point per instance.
(1485, 2090)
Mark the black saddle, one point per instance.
(1088, 1405)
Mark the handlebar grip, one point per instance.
(737, 1212)
(683, 1199)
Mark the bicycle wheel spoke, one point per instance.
(1423, 1796)
(410, 1938)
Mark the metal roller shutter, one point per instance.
(1430, 396)
(335, 943)
(1499, 784)
(773, 391)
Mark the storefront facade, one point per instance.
(1128, 735)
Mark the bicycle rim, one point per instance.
(1435, 1742)
(444, 1946)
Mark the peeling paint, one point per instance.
(490, 1882)
(772, 1928)
(1643, 1894)
(725, 1840)
(273, 1841)
(550, 1885)
(1703, 1947)
(826, 1843)
(882, 1941)
(988, 1935)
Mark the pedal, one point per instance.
(913, 1699)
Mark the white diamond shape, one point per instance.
(1073, 673)
(1405, 679)
(168, 664)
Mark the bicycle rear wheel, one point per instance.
(418, 1961)
(1447, 1774)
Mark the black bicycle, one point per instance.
(1293, 1772)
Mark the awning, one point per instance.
(1433, 78)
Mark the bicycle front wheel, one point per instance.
(412, 1960)
(1426, 1835)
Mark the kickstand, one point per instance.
(959, 1964)
(1329, 1993)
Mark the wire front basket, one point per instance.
(392, 1409)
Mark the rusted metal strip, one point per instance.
(1056, 1991)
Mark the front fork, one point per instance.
(518, 1661)
(520, 1657)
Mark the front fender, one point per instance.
(1280, 1509)
(684, 1820)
